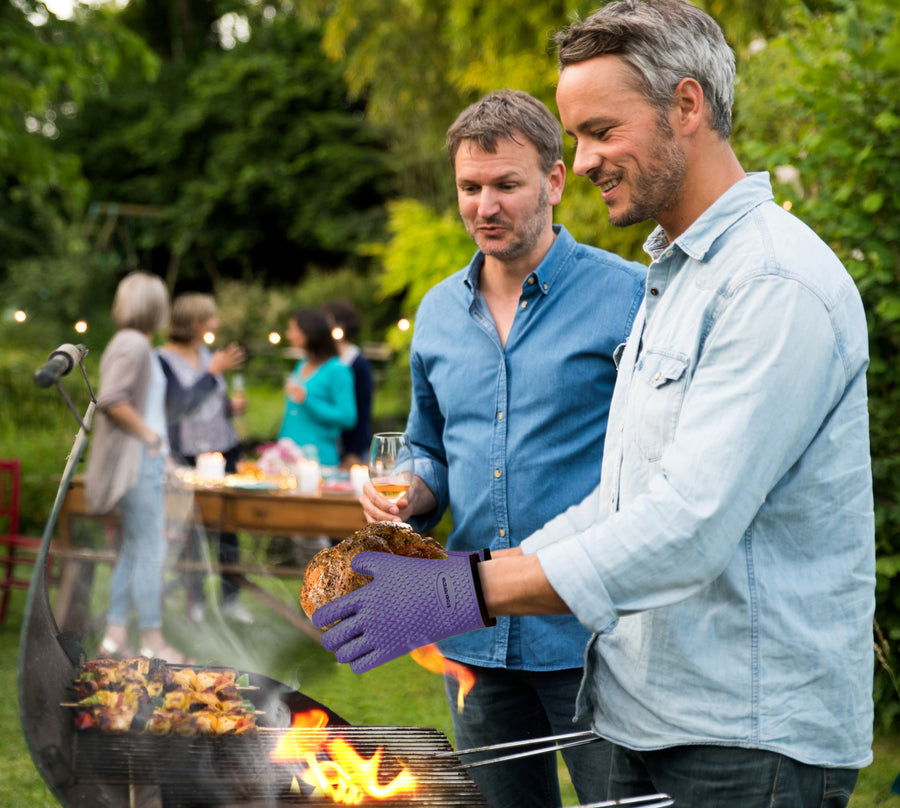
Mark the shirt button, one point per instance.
(524, 304)
(531, 279)
(497, 473)
(502, 532)
(612, 499)
(499, 416)
(621, 427)
(656, 376)
(546, 287)
(654, 291)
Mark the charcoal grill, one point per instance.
(100, 770)
(238, 770)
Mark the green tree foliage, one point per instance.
(47, 69)
(262, 164)
(420, 62)
(176, 30)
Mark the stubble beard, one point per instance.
(528, 235)
(657, 189)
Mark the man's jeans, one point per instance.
(506, 705)
(725, 777)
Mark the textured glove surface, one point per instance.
(410, 602)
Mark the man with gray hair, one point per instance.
(730, 545)
(726, 562)
(512, 369)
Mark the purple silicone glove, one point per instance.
(410, 603)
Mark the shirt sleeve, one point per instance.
(334, 401)
(425, 426)
(125, 361)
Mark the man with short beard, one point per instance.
(512, 369)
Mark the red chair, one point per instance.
(17, 551)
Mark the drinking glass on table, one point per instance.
(391, 464)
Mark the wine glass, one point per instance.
(391, 464)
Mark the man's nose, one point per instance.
(488, 202)
(585, 161)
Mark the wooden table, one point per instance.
(218, 508)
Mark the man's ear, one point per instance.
(688, 108)
(556, 181)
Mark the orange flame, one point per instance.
(433, 660)
(345, 776)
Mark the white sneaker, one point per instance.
(236, 610)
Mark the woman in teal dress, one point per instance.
(319, 398)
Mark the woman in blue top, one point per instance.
(320, 401)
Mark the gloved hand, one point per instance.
(410, 603)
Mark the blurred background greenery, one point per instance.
(281, 153)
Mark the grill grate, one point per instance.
(237, 770)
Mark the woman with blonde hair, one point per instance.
(126, 466)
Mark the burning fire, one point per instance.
(433, 660)
(344, 776)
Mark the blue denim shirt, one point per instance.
(726, 560)
(511, 437)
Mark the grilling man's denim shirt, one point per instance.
(511, 435)
(726, 560)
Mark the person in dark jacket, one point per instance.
(354, 442)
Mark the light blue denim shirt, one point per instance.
(509, 437)
(726, 560)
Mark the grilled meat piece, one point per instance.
(143, 695)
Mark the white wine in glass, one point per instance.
(391, 464)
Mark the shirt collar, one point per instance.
(545, 272)
(734, 204)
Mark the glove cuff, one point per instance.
(479, 595)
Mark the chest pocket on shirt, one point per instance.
(657, 393)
